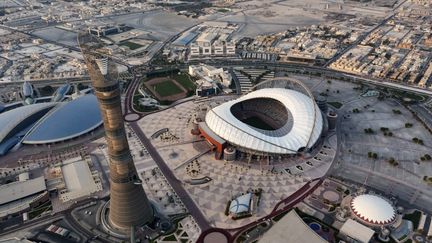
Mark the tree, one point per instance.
(368, 130)
(398, 112)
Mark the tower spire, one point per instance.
(129, 205)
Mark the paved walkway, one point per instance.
(174, 182)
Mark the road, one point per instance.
(323, 71)
(423, 113)
(74, 48)
(283, 206)
(49, 81)
(358, 41)
(172, 180)
(51, 218)
(169, 175)
(362, 37)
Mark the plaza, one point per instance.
(278, 181)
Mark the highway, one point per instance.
(314, 69)
(48, 81)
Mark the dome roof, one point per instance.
(301, 122)
(373, 209)
(68, 120)
(9, 120)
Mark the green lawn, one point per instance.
(40, 209)
(258, 123)
(405, 94)
(166, 88)
(414, 218)
(131, 45)
(170, 238)
(335, 104)
(185, 80)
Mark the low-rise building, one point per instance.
(210, 79)
(291, 228)
(356, 231)
(21, 196)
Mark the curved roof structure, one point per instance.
(373, 209)
(240, 204)
(10, 120)
(66, 121)
(60, 93)
(301, 129)
(27, 89)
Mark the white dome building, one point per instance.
(373, 210)
(273, 119)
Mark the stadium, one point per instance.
(276, 118)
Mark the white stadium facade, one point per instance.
(278, 117)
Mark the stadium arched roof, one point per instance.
(10, 120)
(373, 209)
(68, 120)
(305, 116)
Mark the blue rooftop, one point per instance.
(66, 121)
(186, 38)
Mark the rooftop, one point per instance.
(68, 120)
(78, 179)
(11, 119)
(301, 129)
(21, 189)
(241, 204)
(291, 228)
(357, 231)
(373, 209)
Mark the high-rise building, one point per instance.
(129, 205)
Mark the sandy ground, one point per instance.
(160, 25)
(263, 17)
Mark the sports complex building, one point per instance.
(276, 118)
(49, 123)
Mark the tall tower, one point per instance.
(129, 205)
